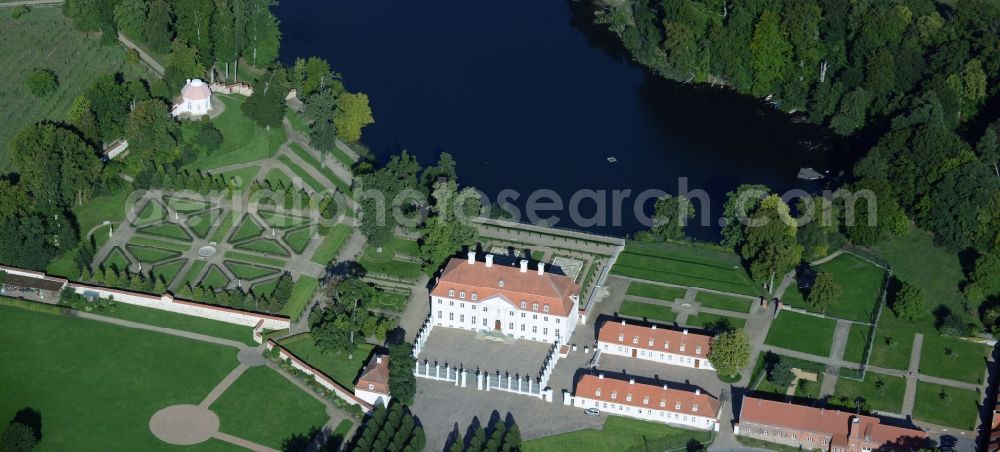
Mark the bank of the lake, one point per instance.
(533, 96)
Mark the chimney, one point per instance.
(623, 322)
(664, 386)
(472, 257)
(631, 381)
(697, 391)
(489, 260)
(654, 327)
(524, 266)
(600, 376)
(541, 268)
(685, 331)
(378, 360)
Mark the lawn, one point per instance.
(201, 223)
(302, 292)
(214, 278)
(334, 240)
(405, 246)
(242, 140)
(336, 366)
(651, 312)
(803, 333)
(953, 358)
(263, 245)
(668, 294)
(857, 337)
(116, 259)
(298, 239)
(168, 270)
(888, 397)
(958, 409)
(167, 230)
(44, 38)
(893, 342)
(909, 256)
(690, 267)
(805, 389)
(297, 122)
(156, 243)
(726, 303)
(301, 173)
(264, 407)
(149, 254)
(265, 288)
(224, 228)
(860, 283)
(384, 264)
(248, 228)
(238, 333)
(619, 434)
(277, 179)
(325, 171)
(242, 177)
(252, 258)
(282, 221)
(248, 271)
(72, 369)
(712, 321)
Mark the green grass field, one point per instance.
(887, 397)
(619, 434)
(803, 333)
(44, 38)
(264, 407)
(384, 264)
(326, 172)
(242, 140)
(298, 239)
(224, 227)
(893, 342)
(254, 259)
(149, 254)
(959, 409)
(243, 176)
(247, 271)
(214, 278)
(277, 179)
(953, 358)
(157, 243)
(667, 294)
(282, 221)
(334, 240)
(860, 284)
(342, 370)
(264, 245)
(69, 369)
(173, 320)
(712, 321)
(651, 312)
(116, 259)
(690, 269)
(201, 223)
(166, 230)
(307, 179)
(168, 270)
(297, 122)
(192, 273)
(302, 292)
(808, 389)
(854, 351)
(726, 303)
(247, 228)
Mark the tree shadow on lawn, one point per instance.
(31, 418)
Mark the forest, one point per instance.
(917, 79)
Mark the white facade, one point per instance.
(675, 358)
(372, 398)
(196, 99)
(655, 413)
(498, 314)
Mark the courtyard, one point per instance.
(471, 350)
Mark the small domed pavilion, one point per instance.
(196, 99)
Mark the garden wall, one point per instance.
(321, 378)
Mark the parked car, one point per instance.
(592, 412)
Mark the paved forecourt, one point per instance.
(471, 351)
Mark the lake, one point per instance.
(530, 95)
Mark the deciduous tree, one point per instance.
(909, 302)
(730, 352)
(824, 292)
(351, 115)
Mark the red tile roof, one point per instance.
(545, 289)
(647, 396)
(375, 373)
(835, 423)
(663, 339)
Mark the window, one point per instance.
(523, 315)
(451, 316)
(682, 347)
(621, 337)
(545, 308)
(663, 403)
(461, 318)
(650, 343)
(614, 395)
(522, 327)
(451, 303)
(439, 301)
(557, 332)
(524, 304)
(666, 345)
(512, 313)
(371, 386)
(597, 392)
(534, 316)
(545, 331)
(694, 408)
(534, 306)
(461, 305)
(534, 329)
(697, 350)
(628, 397)
(484, 307)
(677, 406)
(500, 283)
(473, 320)
(635, 339)
(558, 320)
(439, 314)
(546, 318)
(484, 321)
(645, 400)
(510, 326)
(451, 292)
(474, 296)
(461, 295)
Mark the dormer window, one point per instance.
(628, 397)
(461, 295)
(597, 392)
(663, 403)
(645, 400)
(694, 408)
(621, 338)
(650, 343)
(451, 292)
(534, 306)
(677, 406)
(635, 339)
(545, 308)
(371, 386)
(697, 350)
(500, 283)
(474, 296)
(524, 304)
(614, 395)
(666, 345)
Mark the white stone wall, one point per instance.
(372, 397)
(657, 356)
(664, 416)
(483, 315)
(340, 391)
(168, 303)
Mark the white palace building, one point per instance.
(509, 300)
(694, 409)
(652, 343)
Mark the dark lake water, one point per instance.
(529, 95)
